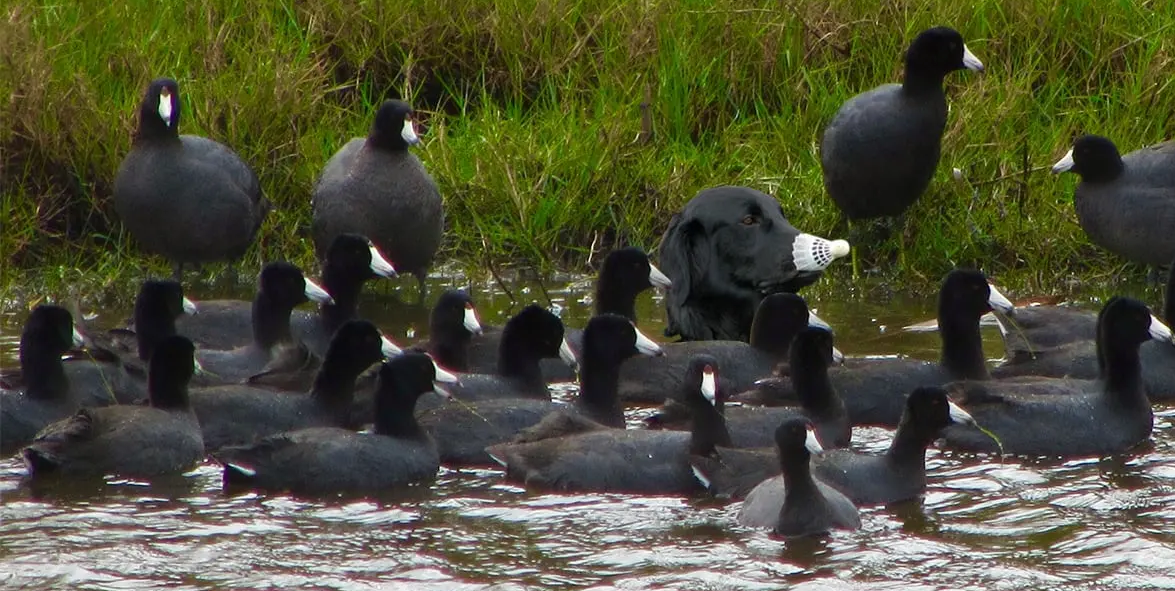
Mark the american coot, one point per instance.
(452, 324)
(375, 187)
(117, 359)
(882, 147)
(896, 475)
(281, 286)
(188, 198)
(874, 390)
(779, 317)
(727, 249)
(227, 324)
(464, 431)
(754, 426)
(1063, 417)
(615, 460)
(624, 275)
(238, 414)
(796, 504)
(129, 440)
(46, 397)
(530, 336)
(1125, 204)
(330, 459)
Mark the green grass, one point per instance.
(535, 123)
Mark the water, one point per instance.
(983, 524)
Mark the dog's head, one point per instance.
(729, 247)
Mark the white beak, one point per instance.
(388, 348)
(199, 369)
(838, 357)
(709, 384)
(471, 323)
(1064, 164)
(646, 346)
(444, 376)
(812, 443)
(659, 279)
(567, 355)
(379, 265)
(970, 61)
(959, 415)
(1159, 331)
(997, 301)
(165, 107)
(815, 321)
(408, 133)
(316, 293)
(189, 307)
(78, 341)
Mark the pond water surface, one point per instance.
(983, 524)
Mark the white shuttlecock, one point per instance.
(813, 253)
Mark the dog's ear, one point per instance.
(684, 256)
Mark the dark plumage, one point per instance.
(228, 324)
(130, 441)
(281, 286)
(881, 148)
(451, 326)
(1125, 204)
(117, 363)
(615, 460)
(624, 275)
(185, 197)
(1063, 417)
(237, 414)
(727, 249)
(530, 336)
(47, 395)
(796, 504)
(464, 431)
(375, 187)
(330, 459)
(874, 390)
(754, 426)
(778, 318)
(896, 475)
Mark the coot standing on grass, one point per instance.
(375, 187)
(882, 147)
(1126, 204)
(185, 197)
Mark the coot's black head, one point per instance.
(1093, 157)
(49, 331)
(393, 127)
(931, 409)
(454, 312)
(536, 328)
(284, 283)
(356, 256)
(171, 368)
(159, 113)
(937, 52)
(1127, 323)
(610, 339)
(796, 440)
(162, 299)
(966, 295)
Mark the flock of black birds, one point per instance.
(758, 405)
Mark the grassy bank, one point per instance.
(555, 126)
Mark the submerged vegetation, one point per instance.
(556, 128)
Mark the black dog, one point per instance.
(727, 249)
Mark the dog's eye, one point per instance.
(749, 220)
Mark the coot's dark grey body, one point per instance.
(188, 198)
(1125, 204)
(881, 148)
(375, 187)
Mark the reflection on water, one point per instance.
(983, 524)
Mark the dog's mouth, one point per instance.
(787, 284)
